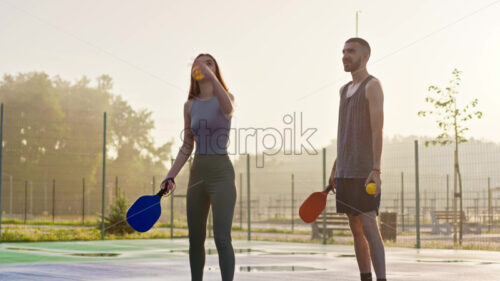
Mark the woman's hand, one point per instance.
(201, 71)
(168, 185)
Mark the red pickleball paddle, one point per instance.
(314, 205)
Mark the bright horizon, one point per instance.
(276, 57)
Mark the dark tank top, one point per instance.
(209, 126)
(354, 136)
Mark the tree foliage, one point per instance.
(54, 129)
(450, 119)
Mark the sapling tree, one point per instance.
(451, 121)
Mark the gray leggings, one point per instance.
(211, 182)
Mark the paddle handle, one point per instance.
(327, 189)
(164, 190)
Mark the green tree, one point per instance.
(34, 124)
(53, 129)
(451, 120)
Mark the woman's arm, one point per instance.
(226, 99)
(187, 145)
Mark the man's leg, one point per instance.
(360, 244)
(372, 235)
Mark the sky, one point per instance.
(277, 57)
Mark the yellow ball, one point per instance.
(371, 188)
(197, 75)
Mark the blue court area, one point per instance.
(165, 259)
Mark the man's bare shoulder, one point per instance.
(373, 87)
(374, 82)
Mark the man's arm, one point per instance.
(375, 97)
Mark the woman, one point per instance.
(207, 121)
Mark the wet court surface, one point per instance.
(168, 260)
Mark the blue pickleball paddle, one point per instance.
(145, 211)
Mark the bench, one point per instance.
(443, 221)
(334, 221)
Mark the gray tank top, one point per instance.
(209, 126)
(354, 136)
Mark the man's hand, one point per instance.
(331, 182)
(374, 176)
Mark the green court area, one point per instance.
(78, 251)
(167, 259)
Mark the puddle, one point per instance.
(65, 253)
(270, 268)
(276, 268)
(245, 251)
(212, 251)
(23, 249)
(346, 256)
(293, 253)
(95, 254)
(443, 261)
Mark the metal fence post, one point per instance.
(249, 230)
(25, 200)
(490, 207)
(116, 186)
(241, 200)
(293, 191)
(324, 184)
(402, 202)
(83, 201)
(1, 155)
(153, 185)
(103, 177)
(417, 197)
(171, 207)
(447, 193)
(53, 200)
(31, 199)
(10, 194)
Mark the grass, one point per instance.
(35, 234)
(49, 222)
(18, 233)
(75, 223)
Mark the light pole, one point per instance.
(357, 18)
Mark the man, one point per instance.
(359, 149)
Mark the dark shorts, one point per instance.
(351, 197)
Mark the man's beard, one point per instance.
(352, 66)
